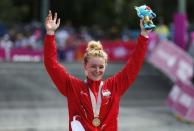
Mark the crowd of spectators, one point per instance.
(68, 37)
(31, 36)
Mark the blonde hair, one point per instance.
(95, 49)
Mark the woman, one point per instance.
(93, 104)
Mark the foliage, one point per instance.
(10, 13)
(106, 13)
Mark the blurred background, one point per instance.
(161, 98)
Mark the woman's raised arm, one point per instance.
(56, 71)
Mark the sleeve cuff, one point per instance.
(50, 37)
(143, 37)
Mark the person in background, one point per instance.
(93, 103)
(162, 30)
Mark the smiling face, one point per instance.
(95, 68)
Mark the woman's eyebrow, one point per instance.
(98, 64)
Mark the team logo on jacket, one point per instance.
(106, 93)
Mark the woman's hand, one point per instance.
(144, 32)
(51, 24)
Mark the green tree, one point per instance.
(11, 14)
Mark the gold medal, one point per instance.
(96, 122)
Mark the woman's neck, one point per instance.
(93, 82)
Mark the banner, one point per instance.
(117, 50)
(181, 101)
(173, 61)
(180, 30)
(2, 54)
(25, 55)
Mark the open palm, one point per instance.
(51, 24)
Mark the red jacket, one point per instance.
(77, 92)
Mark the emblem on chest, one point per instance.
(106, 93)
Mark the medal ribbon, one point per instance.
(96, 104)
